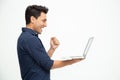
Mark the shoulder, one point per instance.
(28, 38)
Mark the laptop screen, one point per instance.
(88, 46)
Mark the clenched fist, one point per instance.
(54, 42)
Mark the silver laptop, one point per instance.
(90, 40)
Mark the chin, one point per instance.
(39, 32)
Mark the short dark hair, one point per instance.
(34, 10)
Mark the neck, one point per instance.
(29, 26)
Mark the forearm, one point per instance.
(50, 52)
(59, 64)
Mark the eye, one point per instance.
(44, 20)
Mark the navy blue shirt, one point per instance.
(35, 64)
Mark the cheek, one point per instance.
(38, 24)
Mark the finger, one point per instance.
(55, 40)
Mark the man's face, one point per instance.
(40, 23)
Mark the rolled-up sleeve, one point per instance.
(37, 51)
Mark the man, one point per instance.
(35, 62)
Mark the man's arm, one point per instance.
(54, 43)
(50, 52)
(59, 64)
(37, 53)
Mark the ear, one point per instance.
(32, 19)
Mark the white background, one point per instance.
(72, 22)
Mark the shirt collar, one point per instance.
(30, 31)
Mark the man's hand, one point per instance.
(77, 60)
(54, 43)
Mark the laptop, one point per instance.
(90, 40)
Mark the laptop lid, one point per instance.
(88, 46)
